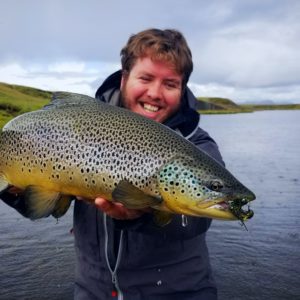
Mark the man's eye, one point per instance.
(171, 85)
(145, 79)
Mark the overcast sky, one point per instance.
(246, 50)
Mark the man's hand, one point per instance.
(117, 210)
(14, 190)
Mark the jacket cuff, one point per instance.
(16, 202)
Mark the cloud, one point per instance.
(277, 94)
(77, 77)
(251, 54)
(246, 49)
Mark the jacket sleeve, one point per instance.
(16, 202)
(204, 142)
(177, 229)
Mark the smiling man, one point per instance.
(123, 250)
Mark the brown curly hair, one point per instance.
(167, 45)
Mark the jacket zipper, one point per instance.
(113, 272)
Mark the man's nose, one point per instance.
(154, 90)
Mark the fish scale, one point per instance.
(62, 141)
(78, 146)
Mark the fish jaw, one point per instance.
(228, 210)
(217, 209)
(188, 189)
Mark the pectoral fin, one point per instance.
(39, 203)
(132, 197)
(62, 205)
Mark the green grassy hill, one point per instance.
(209, 105)
(272, 107)
(16, 99)
(213, 105)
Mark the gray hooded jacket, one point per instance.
(137, 260)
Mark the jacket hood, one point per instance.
(186, 120)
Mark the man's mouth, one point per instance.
(150, 108)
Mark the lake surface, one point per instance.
(262, 149)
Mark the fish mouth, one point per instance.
(232, 209)
(221, 209)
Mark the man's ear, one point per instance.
(123, 79)
(122, 82)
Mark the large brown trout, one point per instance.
(77, 146)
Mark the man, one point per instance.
(147, 262)
(121, 252)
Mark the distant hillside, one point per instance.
(208, 105)
(219, 105)
(271, 107)
(16, 99)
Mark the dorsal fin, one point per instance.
(63, 99)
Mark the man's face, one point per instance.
(152, 89)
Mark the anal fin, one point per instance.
(162, 218)
(132, 197)
(39, 203)
(62, 205)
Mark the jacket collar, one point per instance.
(185, 121)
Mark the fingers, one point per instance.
(117, 210)
(14, 190)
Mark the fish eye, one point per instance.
(216, 185)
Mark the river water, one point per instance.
(262, 149)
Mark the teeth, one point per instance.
(150, 107)
(221, 206)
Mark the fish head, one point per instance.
(202, 187)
